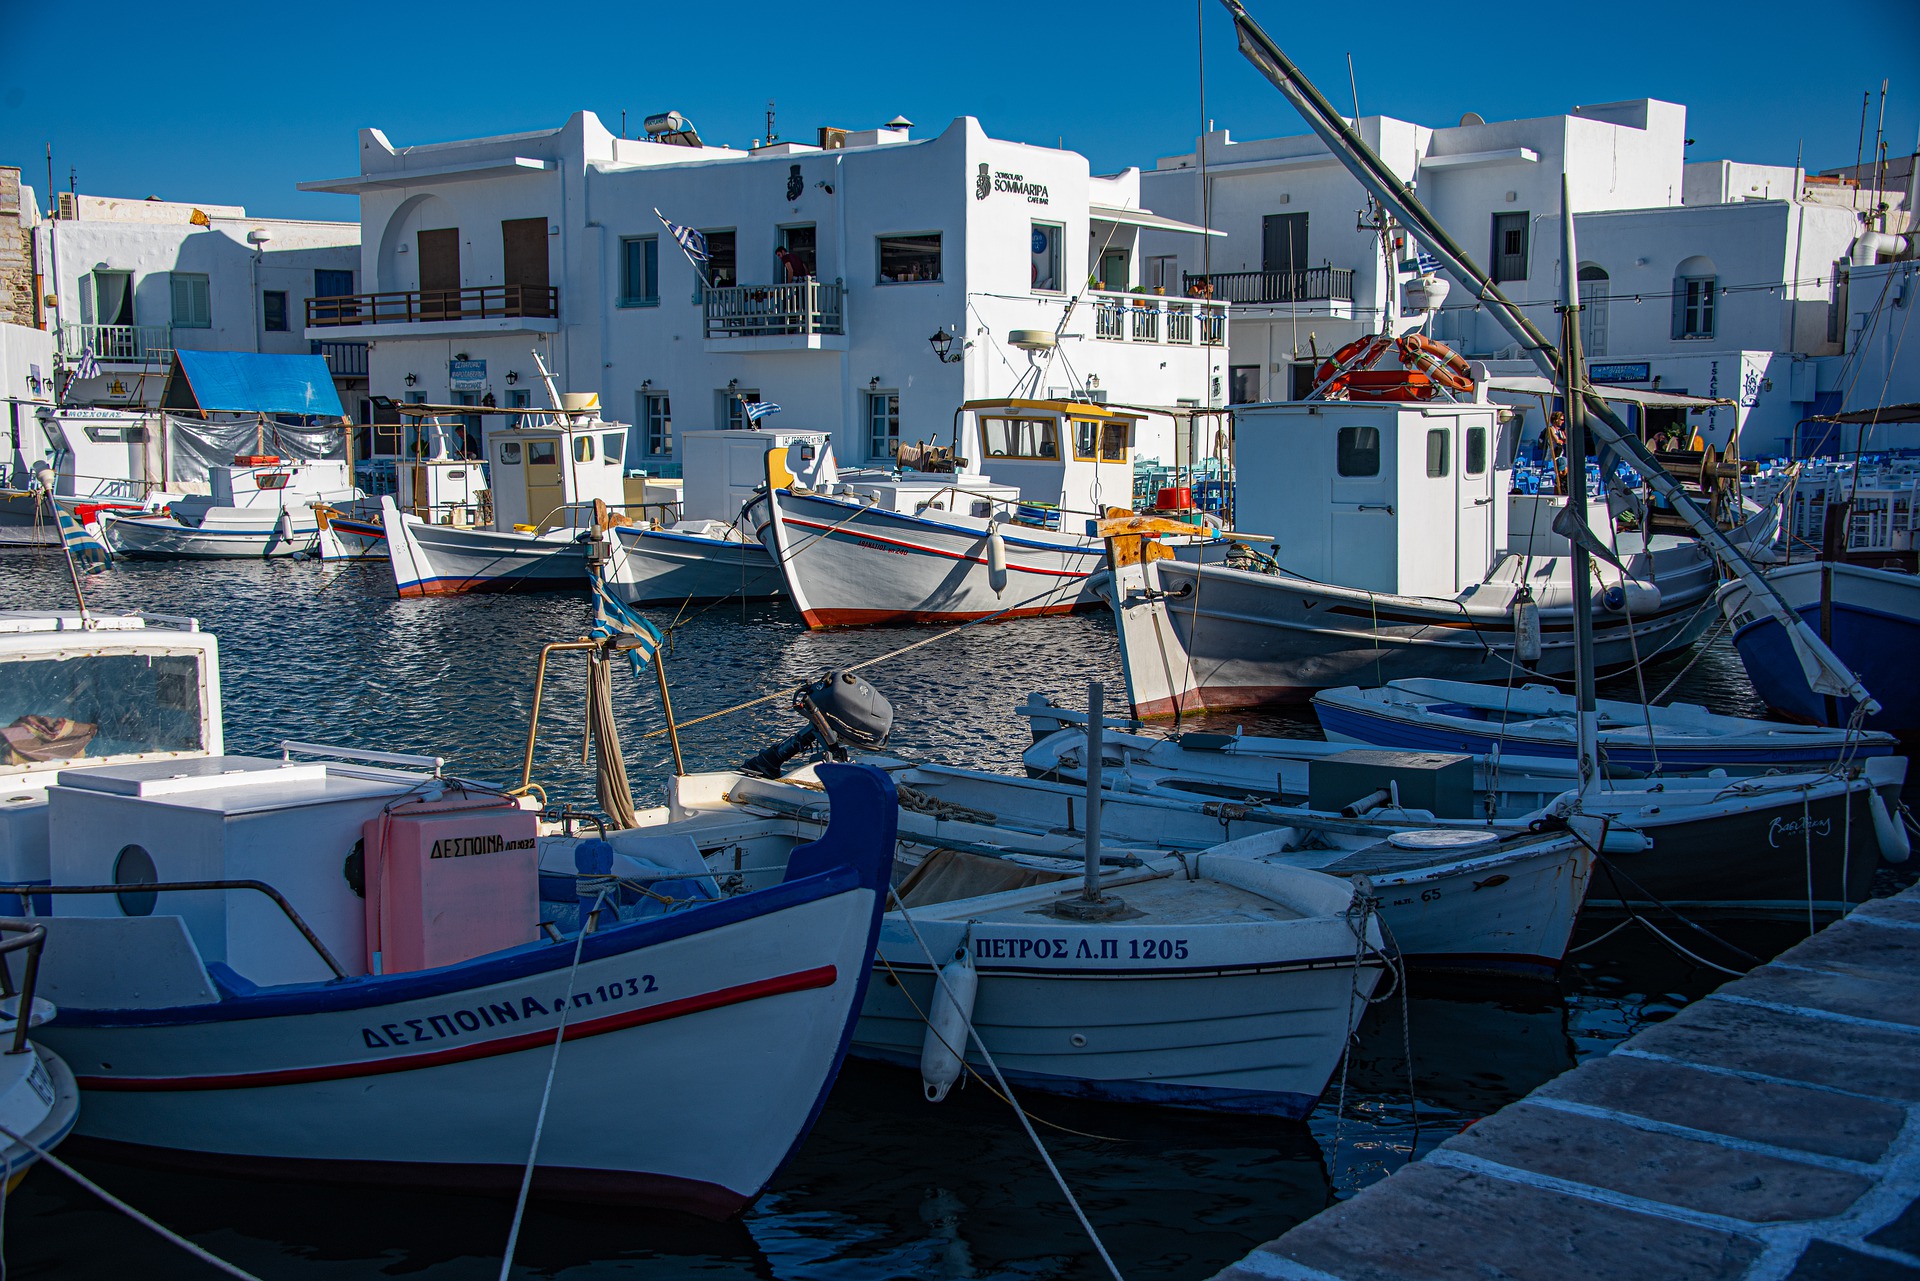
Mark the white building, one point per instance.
(1717, 279)
(834, 268)
(131, 280)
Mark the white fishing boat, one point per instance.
(711, 552)
(1538, 721)
(1000, 525)
(554, 474)
(85, 460)
(258, 506)
(335, 969)
(1748, 844)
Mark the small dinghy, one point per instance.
(342, 968)
(1534, 720)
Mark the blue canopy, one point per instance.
(247, 382)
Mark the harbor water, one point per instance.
(887, 1186)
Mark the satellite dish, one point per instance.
(1472, 118)
(1031, 339)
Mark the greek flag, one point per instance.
(1425, 263)
(88, 366)
(83, 547)
(613, 617)
(758, 409)
(687, 238)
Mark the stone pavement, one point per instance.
(1770, 1132)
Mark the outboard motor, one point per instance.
(842, 711)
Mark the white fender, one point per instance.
(948, 1026)
(1894, 846)
(996, 560)
(1619, 839)
(1526, 630)
(1630, 596)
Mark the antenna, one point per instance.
(770, 133)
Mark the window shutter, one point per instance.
(1680, 307)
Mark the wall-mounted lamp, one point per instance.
(1093, 382)
(459, 355)
(513, 376)
(733, 384)
(412, 379)
(825, 186)
(873, 383)
(942, 343)
(645, 383)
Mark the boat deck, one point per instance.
(1771, 1130)
(1150, 899)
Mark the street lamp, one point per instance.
(942, 343)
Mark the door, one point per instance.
(546, 490)
(800, 260)
(523, 244)
(1113, 270)
(440, 273)
(1477, 494)
(1594, 286)
(1283, 249)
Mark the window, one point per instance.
(656, 424)
(192, 305)
(1020, 437)
(883, 425)
(1476, 450)
(271, 480)
(1509, 247)
(722, 262)
(583, 449)
(1693, 305)
(1359, 451)
(510, 453)
(273, 311)
(733, 407)
(1243, 384)
(905, 259)
(1164, 273)
(613, 447)
(112, 299)
(1436, 451)
(519, 400)
(1594, 287)
(1113, 442)
(328, 283)
(639, 271)
(1045, 249)
(542, 453)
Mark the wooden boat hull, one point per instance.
(668, 567)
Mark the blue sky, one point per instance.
(235, 104)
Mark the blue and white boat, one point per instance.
(1875, 631)
(1537, 721)
(344, 969)
(257, 506)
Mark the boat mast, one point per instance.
(1825, 672)
(1572, 387)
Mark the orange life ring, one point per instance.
(1362, 352)
(1440, 362)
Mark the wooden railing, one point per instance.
(417, 306)
(1307, 284)
(760, 311)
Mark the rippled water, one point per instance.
(887, 1186)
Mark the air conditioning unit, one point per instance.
(832, 139)
(69, 206)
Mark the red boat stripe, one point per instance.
(935, 551)
(802, 981)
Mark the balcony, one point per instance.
(476, 309)
(1307, 284)
(118, 344)
(1145, 318)
(345, 359)
(801, 316)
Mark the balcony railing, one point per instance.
(1156, 319)
(345, 359)
(1307, 284)
(799, 309)
(118, 344)
(418, 306)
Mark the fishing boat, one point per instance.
(260, 505)
(1871, 618)
(711, 552)
(1538, 721)
(334, 968)
(999, 524)
(85, 460)
(39, 1101)
(1746, 844)
(554, 474)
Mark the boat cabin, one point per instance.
(265, 480)
(435, 480)
(98, 453)
(1405, 497)
(547, 468)
(1071, 455)
(722, 469)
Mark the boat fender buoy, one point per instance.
(1608, 838)
(283, 528)
(948, 1025)
(1630, 597)
(996, 560)
(1894, 846)
(1526, 628)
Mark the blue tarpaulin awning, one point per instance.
(248, 382)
